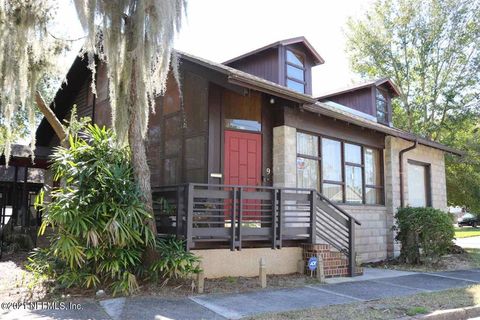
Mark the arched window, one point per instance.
(295, 71)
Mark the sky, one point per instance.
(222, 29)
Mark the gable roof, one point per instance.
(62, 102)
(302, 40)
(311, 104)
(373, 83)
(246, 80)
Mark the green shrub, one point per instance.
(175, 261)
(97, 214)
(425, 233)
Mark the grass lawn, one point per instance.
(391, 308)
(467, 232)
(460, 261)
(474, 255)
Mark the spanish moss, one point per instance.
(26, 54)
(135, 39)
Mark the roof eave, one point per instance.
(317, 58)
(368, 84)
(318, 109)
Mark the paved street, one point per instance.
(375, 284)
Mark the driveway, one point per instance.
(468, 243)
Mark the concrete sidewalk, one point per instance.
(375, 284)
(468, 243)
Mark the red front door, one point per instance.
(243, 158)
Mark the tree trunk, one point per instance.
(141, 171)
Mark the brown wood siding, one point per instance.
(215, 132)
(267, 140)
(218, 97)
(154, 143)
(361, 100)
(325, 126)
(165, 138)
(177, 136)
(195, 91)
(263, 65)
(96, 107)
(83, 109)
(271, 64)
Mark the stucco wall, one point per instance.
(218, 263)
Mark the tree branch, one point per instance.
(51, 117)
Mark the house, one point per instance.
(248, 164)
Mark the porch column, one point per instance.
(392, 192)
(284, 157)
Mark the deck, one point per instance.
(229, 216)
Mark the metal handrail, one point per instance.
(266, 188)
(232, 186)
(337, 207)
(328, 209)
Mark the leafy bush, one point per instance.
(175, 261)
(425, 233)
(97, 213)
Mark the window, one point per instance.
(418, 184)
(373, 177)
(295, 71)
(332, 184)
(382, 106)
(353, 173)
(344, 172)
(307, 161)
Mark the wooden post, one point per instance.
(320, 269)
(233, 218)
(14, 215)
(313, 217)
(200, 280)
(190, 191)
(263, 273)
(24, 202)
(274, 218)
(280, 219)
(240, 217)
(178, 218)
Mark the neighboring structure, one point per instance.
(19, 184)
(250, 145)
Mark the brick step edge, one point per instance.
(316, 247)
(326, 254)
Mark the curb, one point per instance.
(451, 314)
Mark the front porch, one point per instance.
(215, 216)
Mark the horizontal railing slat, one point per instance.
(205, 212)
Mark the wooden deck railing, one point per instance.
(240, 216)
